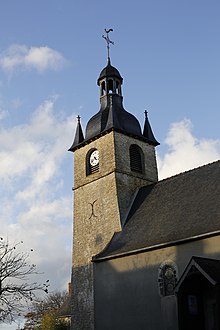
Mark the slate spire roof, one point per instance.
(148, 133)
(112, 115)
(109, 71)
(79, 137)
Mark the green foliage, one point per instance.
(48, 321)
(51, 322)
(44, 314)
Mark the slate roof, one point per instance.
(148, 133)
(112, 116)
(209, 268)
(109, 71)
(174, 209)
(79, 137)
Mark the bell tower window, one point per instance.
(92, 161)
(118, 87)
(103, 89)
(110, 86)
(136, 159)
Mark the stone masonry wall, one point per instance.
(127, 181)
(101, 201)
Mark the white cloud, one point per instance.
(185, 151)
(3, 114)
(16, 103)
(36, 206)
(24, 57)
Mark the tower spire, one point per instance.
(79, 137)
(108, 41)
(148, 133)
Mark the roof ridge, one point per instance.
(204, 258)
(187, 171)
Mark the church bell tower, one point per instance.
(111, 162)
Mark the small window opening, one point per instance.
(136, 159)
(110, 86)
(103, 90)
(118, 88)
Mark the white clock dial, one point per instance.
(94, 158)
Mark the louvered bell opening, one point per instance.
(136, 159)
(93, 169)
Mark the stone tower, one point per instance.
(111, 162)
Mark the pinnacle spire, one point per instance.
(147, 132)
(79, 137)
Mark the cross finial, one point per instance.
(108, 41)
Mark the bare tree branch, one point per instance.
(16, 290)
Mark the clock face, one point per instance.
(94, 158)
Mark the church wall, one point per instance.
(105, 145)
(92, 212)
(96, 218)
(101, 201)
(114, 156)
(116, 190)
(127, 181)
(127, 291)
(122, 145)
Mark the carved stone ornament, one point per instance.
(167, 278)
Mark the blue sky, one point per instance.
(51, 54)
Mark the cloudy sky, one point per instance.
(51, 54)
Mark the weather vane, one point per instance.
(108, 41)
